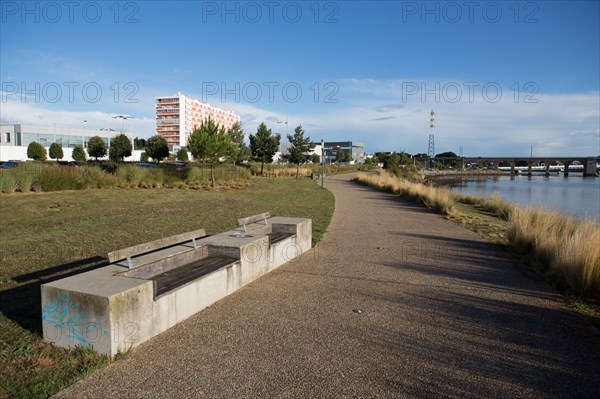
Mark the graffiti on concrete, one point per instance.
(65, 317)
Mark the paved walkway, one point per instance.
(444, 314)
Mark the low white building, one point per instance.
(15, 137)
(283, 149)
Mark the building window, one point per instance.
(7, 137)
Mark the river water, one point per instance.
(574, 195)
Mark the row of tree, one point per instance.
(210, 143)
(120, 147)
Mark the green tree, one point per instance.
(157, 148)
(97, 147)
(264, 145)
(182, 155)
(342, 156)
(139, 144)
(209, 143)
(244, 154)
(300, 147)
(315, 158)
(393, 160)
(144, 157)
(56, 151)
(79, 153)
(120, 147)
(448, 154)
(236, 134)
(36, 151)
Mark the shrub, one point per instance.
(27, 175)
(8, 182)
(79, 154)
(109, 167)
(131, 173)
(36, 151)
(96, 147)
(144, 157)
(58, 178)
(120, 147)
(157, 148)
(94, 177)
(182, 155)
(254, 168)
(196, 175)
(56, 151)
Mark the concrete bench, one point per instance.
(170, 262)
(151, 287)
(256, 227)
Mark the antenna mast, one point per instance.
(431, 148)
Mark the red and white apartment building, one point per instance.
(176, 117)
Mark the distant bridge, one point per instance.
(589, 164)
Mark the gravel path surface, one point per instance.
(444, 314)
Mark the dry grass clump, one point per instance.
(438, 199)
(494, 204)
(288, 171)
(565, 249)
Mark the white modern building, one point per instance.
(284, 148)
(355, 150)
(15, 137)
(178, 115)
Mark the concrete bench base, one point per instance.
(174, 279)
(114, 308)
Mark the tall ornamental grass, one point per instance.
(493, 204)
(437, 199)
(565, 249)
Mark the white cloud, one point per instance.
(382, 116)
(19, 112)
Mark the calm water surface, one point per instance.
(575, 195)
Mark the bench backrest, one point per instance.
(140, 249)
(255, 218)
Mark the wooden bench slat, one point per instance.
(139, 249)
(168, 281)
(274, 238)
(254, 218)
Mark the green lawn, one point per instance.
(46, 236)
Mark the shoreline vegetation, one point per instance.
(444, 173)
(562, 249)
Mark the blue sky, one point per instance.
(501, 76)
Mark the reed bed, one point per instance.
(493, 204)
(437, 199)
(565, 249)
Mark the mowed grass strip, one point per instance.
(45, 236)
